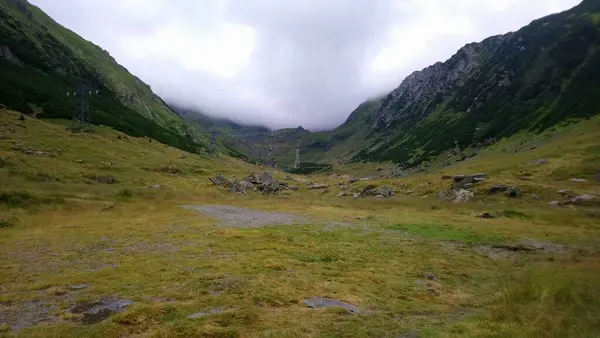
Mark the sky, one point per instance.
(286, 63)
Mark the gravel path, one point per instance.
(246, 217)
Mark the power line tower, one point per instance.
(297, 162)
(82, 116)
(213, 143)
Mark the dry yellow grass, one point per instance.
(130, 241)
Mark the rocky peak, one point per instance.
(418, 94)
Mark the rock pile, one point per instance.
(263, 182)
(372, 190)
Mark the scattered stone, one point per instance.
(155, 186)
(95, 312)
(246, 185)
(333, 176)
(76, 287)
(342, 194)
(479, 179)
(515, 248)
(462, 196)
(213, 311)
(107, 179)
(352, 180)
(496, 189)
(234, 187)
(514, 192)
(565, 192)
(538, 161)
(288, 178)
(582, 199)
(386, 191)
(78, 161)
(318, 186)
(379, 196)
(320, 302)
(429, 275)
(554, 204)
(446, 177)
(487, 215)
(578, 180)
(472, 177)
(106, 164)
(525, 178)
(356, 196)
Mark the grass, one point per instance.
(129, 241)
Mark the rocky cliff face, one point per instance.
(420, 93)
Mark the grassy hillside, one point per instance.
(44, 61)
(412, 264)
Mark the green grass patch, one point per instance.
(447, 233)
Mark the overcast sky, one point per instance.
(285, 63)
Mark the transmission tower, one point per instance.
(82, 116)
(297, 162)
(213, 143)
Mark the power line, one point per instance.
(82, 116)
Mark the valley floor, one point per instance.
(103, 235)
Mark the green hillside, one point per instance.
(41, 61)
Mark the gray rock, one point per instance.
(386, 191)
(462, 196)
(471, 177)
(213, 311)
(514, 192)
(342, 194)
(246, 185)
(78, 286)
(582, 199)
(353, 180)
(156, 186)
(496, 189)
(78, 161)
(320, 302)
(95, 312)
(380, 196)
(578, 180)
(356, 196)
(318, 186)
(565, 192)
(539, 161)
(429, 275)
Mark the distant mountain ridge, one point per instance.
(541, 75)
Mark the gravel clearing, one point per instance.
(246, 217)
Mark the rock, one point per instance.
(368, 188)
(292, 188)
(108, 179)
(379, 196)
(352, 180)
(156, 186)
(246, 185)
(515, 248)
(525, 178)
(479, 179)
(209, 312)
(538, 161)
(514, 192)
(578, 180)
(472, 177)
(487, 215)
(462, 196)
(554, 203)
(234, 187)
(446, 195)
(78, 286)
(320, 302)
(333, 176)
(446, 177)
(95, 312)
(78, 161)
(582, 199)
(598, 176)
(318, 186)
(356, 196)
(342, 194)
(288, 178)
(429, 275)
(106, 164)
(386, 191)
(496, 189)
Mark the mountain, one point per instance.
(545, 74)
(40, 61)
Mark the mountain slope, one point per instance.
(40, 61)
(530, 80)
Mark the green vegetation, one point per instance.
(51, 61)
(409, 267)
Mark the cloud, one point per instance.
(285, 63)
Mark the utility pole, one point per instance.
(297, 162)
(82, 117)
(213, 143)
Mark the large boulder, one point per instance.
(462, 196)
(514, 192)
(473, 177)
(582, 200)
(246, 185)
(386, 191)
